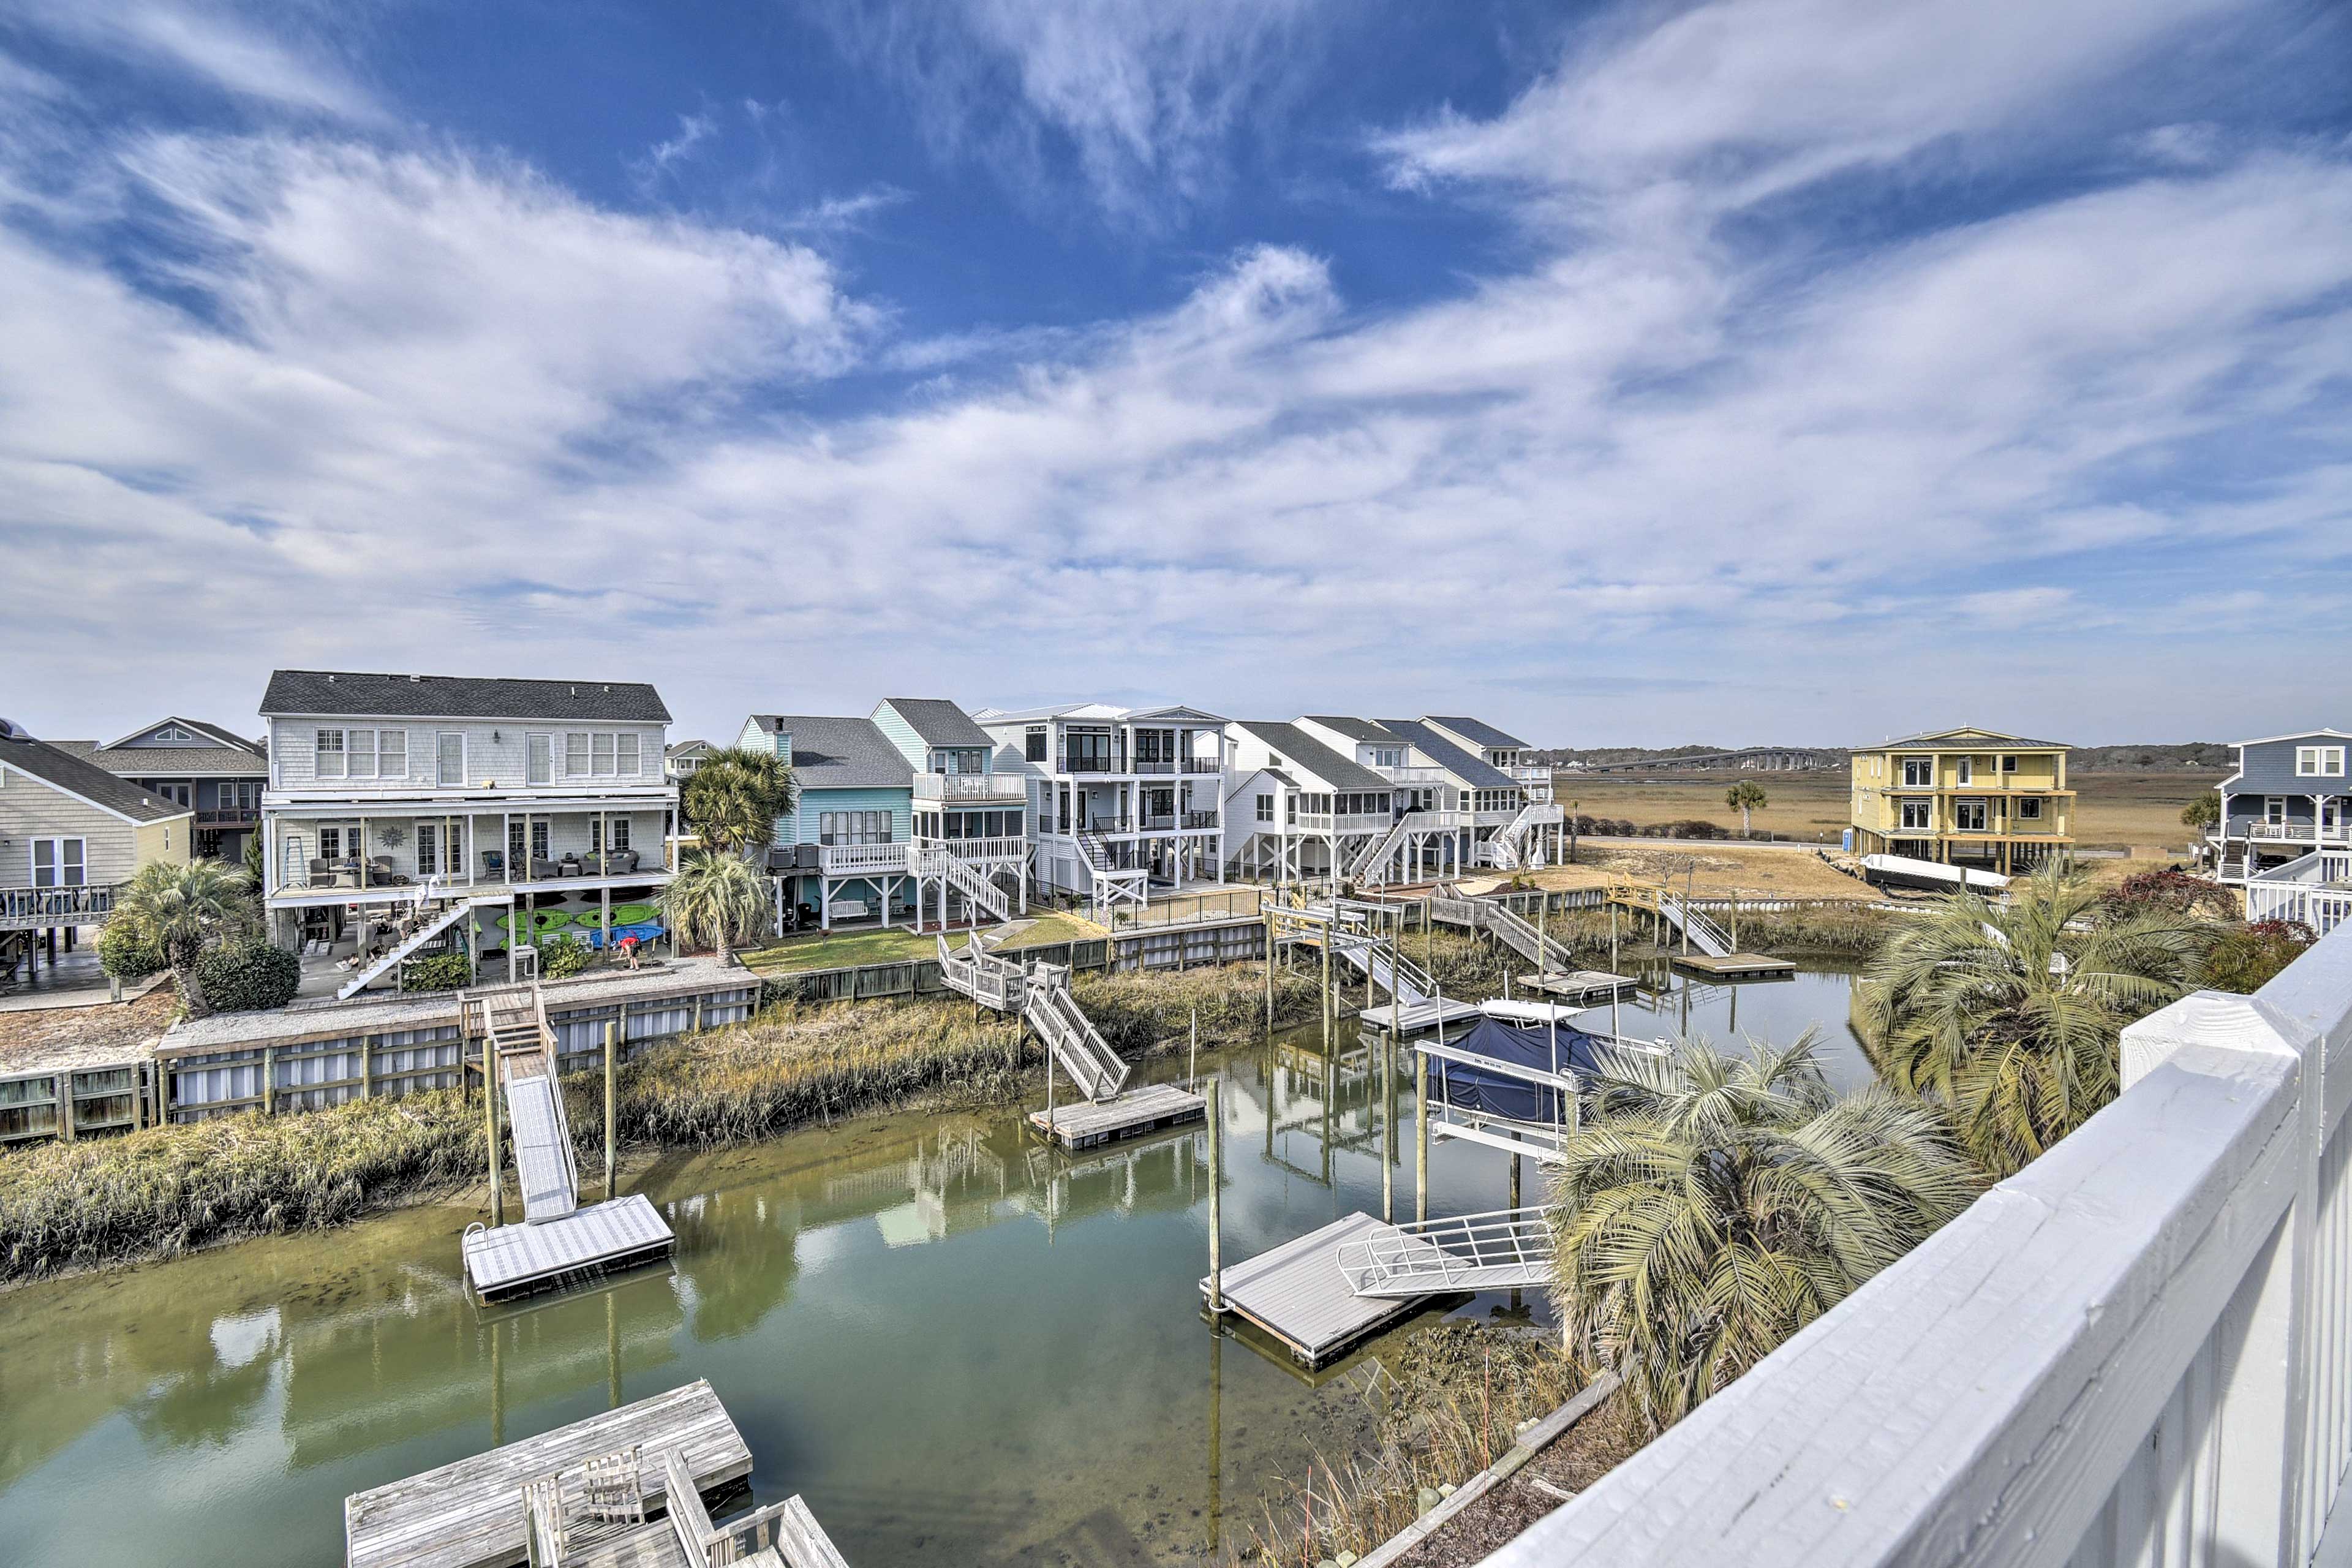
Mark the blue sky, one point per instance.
(1805, 370)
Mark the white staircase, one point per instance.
(1505, 1250)
(1511, 929)
(1372, 864)
(1705, 934)
(522, 1051)
(1510, 848)
(430, 923)
(1389, 970)
(966, 878)
(1040, 994)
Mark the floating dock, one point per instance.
(1577, 985)
(520, 1260)
(1734, 966)
(470, 1514)
(1421, 1017)
(1296, 1292)
(1086, 1122)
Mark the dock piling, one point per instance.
(1420, 1138)
(1216, 1200)
(611, 1075)
(490, 1127)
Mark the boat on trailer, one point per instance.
(1929, 875)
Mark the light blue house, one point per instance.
(899, 818)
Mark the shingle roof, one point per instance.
(1935, 740)
(1354, 729)
(92, 783)
(830, 752)
(1292, 744)
(1470, 769)
(167, 761)
(1479, 730)
(939, 722)
(333, 692)
(225, 737)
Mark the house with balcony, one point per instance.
(215, 773)
(1455, 808)
(1295, 808)
(2289, 797)
(683, 759)
(854, 849)
(1964, 797)
(397, 803)
(70, 834)
(1123, 801)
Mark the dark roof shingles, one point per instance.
(305, 691)
(92, 783)
(830, 752)
(1294, 744)
(939, 722)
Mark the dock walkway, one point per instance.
(1297, 1293)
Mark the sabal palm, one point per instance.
(732, 801)
(2011, 1017)
(180, 910)
(1713, 1205)
(714, 900)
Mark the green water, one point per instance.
(959, 1348)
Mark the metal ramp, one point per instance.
(1040, 994)
(1705, 934)
(1508, 1249)
(522, 1045)
(1389, 970)
(1507, 925)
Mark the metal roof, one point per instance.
(1939, 740)
(938, 722)
(1476, 731)
(1295, 745)
(86, 781)
(337, 692)
(833, 753)
(1472, 771)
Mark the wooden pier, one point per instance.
(1296, 1292)
(520, 1260)
(1087, 1123)
(1420, 1017)
(1577, 985)
(1735, 965)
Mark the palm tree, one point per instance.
(1743, 797)
(733, 799)
(2010, 1017)
(714, 900)
(2202, 812)
(182, 910)
(1714, 1204)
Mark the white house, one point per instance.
(1295, 807)
(1465, 796)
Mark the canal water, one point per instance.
(960, 1349)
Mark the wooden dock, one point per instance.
(1296, 1293)
(469, 1514)
(1735, 965)
(1085, 1123)
(1577, 985)
(1420, 1017)
(520, 1259)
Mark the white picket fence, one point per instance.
(2137, 1351)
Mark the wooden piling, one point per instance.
(612, 1076)
(1420, 1137)
(490, 1126)
(1388, 1110)
(1216, 1199)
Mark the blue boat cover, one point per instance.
(1466, 1086)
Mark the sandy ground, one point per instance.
(107, 1033)
(1751, 870)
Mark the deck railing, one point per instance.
(1007, 787)
(23, 908)
(2139, 1350)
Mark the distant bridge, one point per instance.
(1761, 759)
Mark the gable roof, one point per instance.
(1354, 729)
(241, 760)
(1472, 771)
(1091, 711)
(224, 737)
(333, 693)
(1295, 745)
(85, 781)
(1933, 740)
(680, 748)
(2297, 735)
(936, 722)
(1476, 731)
(830, 752)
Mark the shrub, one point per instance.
(125, 954)
(562, 956)
(2168, 892)
(1687, 828)
(2247, 958)
(248, 975)
(440, 972)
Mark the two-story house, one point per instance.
(70, 833)
(214, 773)
(1296, 808)
(1122, 800)
(683, 759)
(1964, 797)
(898, 817)
(540, 804)
(2290, 795)
(1464, 795)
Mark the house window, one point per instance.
(1918, 773)
(172, 732)
(1265, 808)
(2319, 762)
(631, 753)
(516, 850)
(539, 840)
(452, 770)
(2008, 764)
(392, 753)
(538, 754)
(841, 827)
(358, 754)
(1033, 744)
(1089, 752)
(596, 834)
(60, 862)
(331, 844)
(428, 855)
(329, 755)
(1918, 816)
(1969, 816)
(2030, 809)
(601, 755)
(1964, 771)
(575, 754)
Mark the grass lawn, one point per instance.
(1052, 927)
(845, 949)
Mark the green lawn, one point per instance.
(1052, 927)
(843, 949)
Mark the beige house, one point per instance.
(70, 833)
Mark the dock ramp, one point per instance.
(1508, 1249)
(1040, 994)
(522, 1045)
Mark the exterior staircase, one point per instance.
(522, 1051)
(1508, 849)
(430, 923)
(1040, 994)
(1372, 864)
(1705, 934)
(965, 879)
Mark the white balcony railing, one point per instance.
(1415, 776)
(1009, 789)
(978, 849)
(23, 908)
(2132, 1351)
(2299, 833)
(861, 860)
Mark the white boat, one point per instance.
(1903, 872)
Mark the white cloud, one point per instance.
(665, 156)
(210, 43)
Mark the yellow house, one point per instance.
(1964, 797)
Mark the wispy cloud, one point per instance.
(664, 156)
(214, 44)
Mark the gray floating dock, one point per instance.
(1421, 1017)
(1577, 985)
(1734, 966)
(469, 1514)
(1296, 1293)
(1085, 1123)
(518, 1259)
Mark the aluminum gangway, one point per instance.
(522, 1045)
(1040, 994)
(1507, 1249)
(1705, 934)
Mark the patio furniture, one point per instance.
(615, 862)
(323, 872)
(347, 874)
(569, 866)
(494, 864)
(380, 871)
(542, 868)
